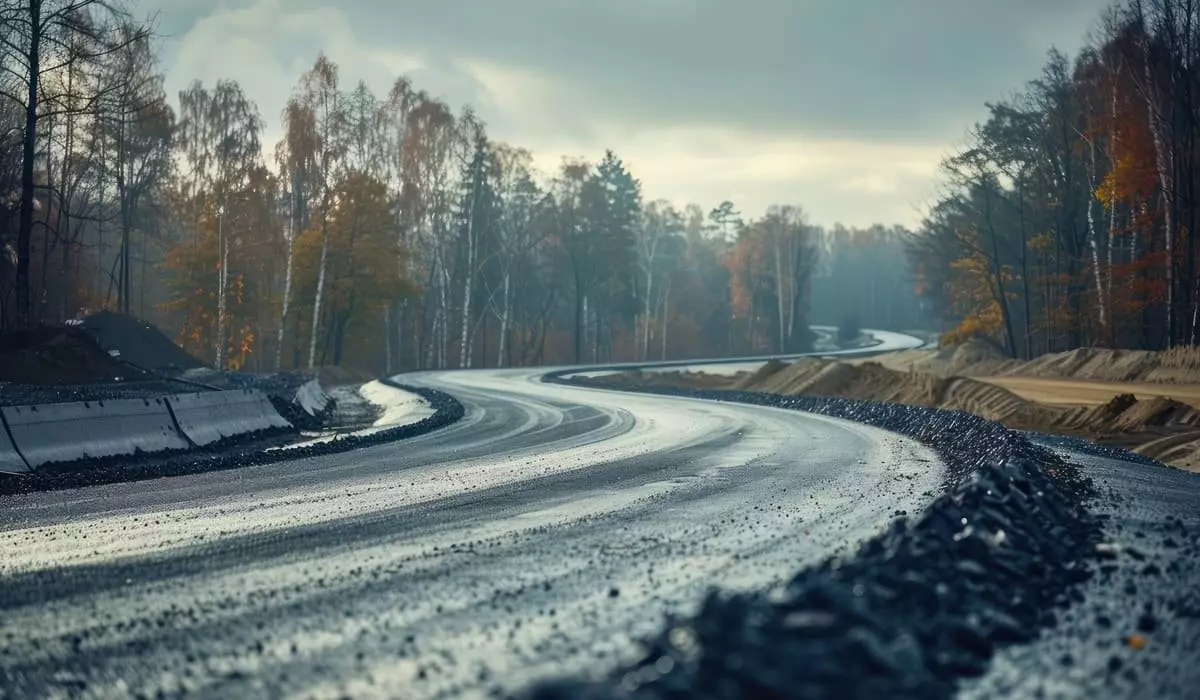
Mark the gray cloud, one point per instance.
(833, 68)
(778, 96)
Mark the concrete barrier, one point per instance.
(311, 397)
(10, 461)
(210, 416)
(67, 432)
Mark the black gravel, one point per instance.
(138, 341)
(447, 410)
(1137, 633)
(992, 562)
(13, 394)
(1074, 444)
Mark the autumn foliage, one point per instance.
(1072, 209)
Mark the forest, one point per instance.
(389, 231)
(1068, 218)
(382, 231)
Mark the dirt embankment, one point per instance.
(974, 359)
(1135, 406)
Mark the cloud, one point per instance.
(266, 45)
(847, 106)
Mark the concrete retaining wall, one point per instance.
(208, 417)
(10, 461)
(312, 398)
(68, 432)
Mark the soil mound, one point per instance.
(760, 375)
(791, 378)
(138, 342)
(873, 381)
(972, 358)
(976, 358)
(55, 355)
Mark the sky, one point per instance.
(844, 107)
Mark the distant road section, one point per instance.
(888, 341)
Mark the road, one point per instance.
(542, 534)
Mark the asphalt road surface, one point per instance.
(542, 534)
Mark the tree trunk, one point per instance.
(779, 290)
(998, 272)
(66, 273)
(316, 317)
(28, 154)
(506, 311)
(1094, 240)
(287, 281)
(401, 325)
(1028, 320)
(580, 318)
(1112, 212)
(443, 319)
(666, 309)
(464, 357)
(646, 312)
(1163, 160)
(222, 286)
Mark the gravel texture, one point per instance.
(992, 562)
(1086, 447)
(14, 394)
(1139, 623)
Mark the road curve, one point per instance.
(541, 534)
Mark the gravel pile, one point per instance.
(916, 609)
(13, 394)
(59, 355)
(137, 342)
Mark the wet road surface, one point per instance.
(542, 534)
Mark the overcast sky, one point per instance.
(844, 107)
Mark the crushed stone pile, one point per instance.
(138, 342)
(57, 356)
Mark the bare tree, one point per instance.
(38, 38)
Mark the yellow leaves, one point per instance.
(972, 289)
(1042, 242)
(988, 320)
(970, 265)
(1107, 193)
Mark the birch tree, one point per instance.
(319, 92)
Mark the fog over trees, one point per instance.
(390, 231)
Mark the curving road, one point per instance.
(542, 534)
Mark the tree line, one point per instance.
(382, 231)
(1069, 217)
